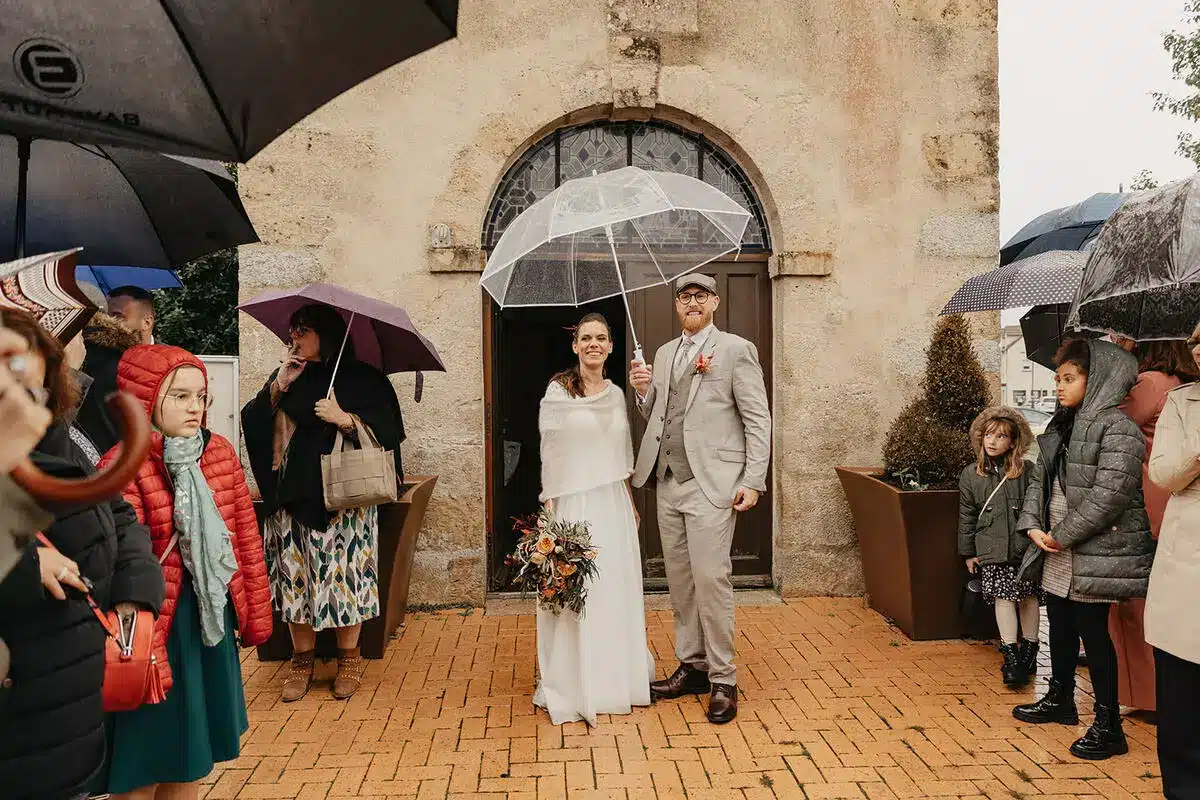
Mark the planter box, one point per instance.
(909, 544)
(399, 525)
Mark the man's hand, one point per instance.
(973, 565)
(23, 421)
(745, 499)
(640, 376)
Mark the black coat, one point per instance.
(106, 341)
(52, 738)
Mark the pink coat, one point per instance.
(1135, 658)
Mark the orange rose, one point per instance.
(545, 545)
(568, 569)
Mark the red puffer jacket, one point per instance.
(141, 372)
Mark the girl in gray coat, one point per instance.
(1091, 536)
(990, 494)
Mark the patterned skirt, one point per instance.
(329, 578)
(999, 582)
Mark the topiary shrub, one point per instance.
(929, 443)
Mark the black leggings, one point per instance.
(1178, 733)
(1071, 621)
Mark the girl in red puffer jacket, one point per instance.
(192, 494)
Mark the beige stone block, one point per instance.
(805, 263)
(961, 155)
(672, 17)
(633, 69)
(953, 235)
(959, 13)
(263, 266)
(457, 259)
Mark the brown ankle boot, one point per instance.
(351, 667)
(299, 677)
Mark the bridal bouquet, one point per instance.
(555, 558)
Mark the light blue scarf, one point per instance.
(204, 539)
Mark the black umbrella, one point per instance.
(209, 78)
(1043, 328)
(1142, 279)
(1067, 228)
(1051, 277)
(124, 207)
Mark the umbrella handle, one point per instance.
(135, 429)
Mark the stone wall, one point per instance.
(869, 129)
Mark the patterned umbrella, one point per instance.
(1046, 278)
(45, 286)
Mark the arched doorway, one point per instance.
(525, 347)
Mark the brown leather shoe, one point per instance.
(299, 678)
(686, 680)
(722, 703)
(351, 666)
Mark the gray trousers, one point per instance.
(697, 538)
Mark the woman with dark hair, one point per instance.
(1090, 535)
(322, 565)
(52, 737)
(1162, 367)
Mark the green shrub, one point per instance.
(929, 443)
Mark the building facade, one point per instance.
(862, 136)
(1023, 383)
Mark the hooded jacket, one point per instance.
(142, 371)
(1106, 527)
(105, 341)
(988, 530)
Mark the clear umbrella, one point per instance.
(610, 234)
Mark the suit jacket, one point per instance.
(726, 424)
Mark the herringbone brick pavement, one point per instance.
(836, 704)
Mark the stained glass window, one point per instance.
(574, 152)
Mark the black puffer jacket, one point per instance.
(52, 737)
(106, 341)
(1106, 528)
(988, 531)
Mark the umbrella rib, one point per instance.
(649, 252)
(212, 95)
(145, 208)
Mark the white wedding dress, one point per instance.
(596, 662)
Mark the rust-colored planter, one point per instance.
(909, 544)
(399, 526)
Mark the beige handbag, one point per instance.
(359, 477)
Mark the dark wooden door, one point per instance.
(745, 309)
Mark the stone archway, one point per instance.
(527, 346)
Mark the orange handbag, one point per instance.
(131, 676)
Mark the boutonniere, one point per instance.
(703, 365)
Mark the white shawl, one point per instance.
(585, 441)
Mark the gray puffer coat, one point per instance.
(1106, 528)
(988, 530)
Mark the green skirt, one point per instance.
(201, 721)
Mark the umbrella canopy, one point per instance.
(382, 333)
(45, 286)
(148, 278)
(125, 207)
(1068, 228)
(1051, 277)
(208, 78)
(1142, 280)
(1043, 328)
(609, 234)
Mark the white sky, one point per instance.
(1076, 115)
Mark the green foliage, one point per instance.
(1183, 45)
(1143, 180)
(929, 443)
(202, 316)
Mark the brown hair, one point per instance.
(1170, 358)
(1014, 459)
(60, 383)
(1077, 352)
(570, 379)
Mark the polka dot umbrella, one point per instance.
(1043, 279)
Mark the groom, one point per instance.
(706, 447)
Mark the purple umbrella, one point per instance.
(383, 334)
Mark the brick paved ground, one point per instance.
(836, 704)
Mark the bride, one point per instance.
(596, 662)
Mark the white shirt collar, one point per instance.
(699, 337)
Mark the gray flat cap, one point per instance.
(697, 279)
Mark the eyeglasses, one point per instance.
(185, 401)
(300, 331)
(685, 298)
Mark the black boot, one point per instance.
(1057, 706)
(1010, 671)
(1027, 660)
(1104, 739)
